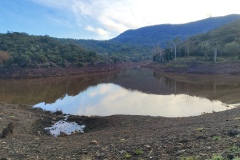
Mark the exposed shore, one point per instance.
(19, 73)
(120, 136)
(196, 67)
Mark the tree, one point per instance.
(232, 49)
(215, 54)
(187, 45)
(158, 54)
(175, 43)
(4, 56)
(23, 61)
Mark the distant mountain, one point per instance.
(161, 34)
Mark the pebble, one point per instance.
(209, 147)
(94, 142)
(234, 132)
(147, 146)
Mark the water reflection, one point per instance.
(109, 99)
(131, 91)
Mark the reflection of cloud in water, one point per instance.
(109, 99)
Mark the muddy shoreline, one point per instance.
(200, 68)
(184, 69)
(98, 69)
(120, 136)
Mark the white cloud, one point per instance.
(109, 99)
(99, 31)
(108, 17)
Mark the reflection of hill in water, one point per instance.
(145, 80)
(43, 90)
(148, 81)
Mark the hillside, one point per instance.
(23, 50)
(225, 41)
(122, 51)
(161, 34)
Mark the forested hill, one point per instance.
(161, 34)
(225, 41)
(23, 50)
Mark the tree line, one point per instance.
(221, 43)
(23, 50)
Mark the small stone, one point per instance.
(230, 156)
(122, 151)
(181, 151)
(94, 142)
(53, 122)
(202, 154)
(62, 134)
(209, 147)
(147, 146)
(39, 133)
(234, 132)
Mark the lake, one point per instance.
(136, 91)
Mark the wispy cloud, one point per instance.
(108, 17)
(99, 31)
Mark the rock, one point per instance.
(94, 142)
(62, 134)
(183, 141)
(147, 146)
(122, 151)
(59, 112)
(209, 147)
(230, 156)
(84, 151)
(201, 137)
(234, 132)
(203, 154)
(179, 152)
(7, 130)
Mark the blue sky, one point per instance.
(103, 19)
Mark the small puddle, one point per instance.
(65, 127)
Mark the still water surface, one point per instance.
(137, 91)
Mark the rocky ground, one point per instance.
(207, 136)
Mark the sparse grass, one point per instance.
(138, 152)
(199, 129)
(217, 138)
(217, 157)
(188, 158)
(234, 149)
(123, 140)
(127, 156)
